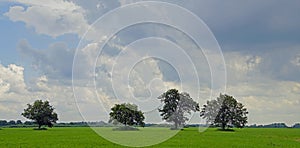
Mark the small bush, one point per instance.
(125, 128)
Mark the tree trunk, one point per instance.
(40, 126)
(176, 125)
(223, 126)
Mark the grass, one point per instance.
(248, 137)
(143, 137)
(190, 137)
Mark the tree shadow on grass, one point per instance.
(125, 128)
(179, 129)
(40, 129)
(226, 130)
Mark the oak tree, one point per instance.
(41, 113)
(177, 106)
(225, 112)
(127, 114)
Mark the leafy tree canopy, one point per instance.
(177, 106)
(127, 114)
(225, 112)
(41, 112)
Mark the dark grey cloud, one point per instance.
(263, 28)
(281, 64)
(276, 63)
(239, 25)
(145, 30)
(169, 72)
(55, 62)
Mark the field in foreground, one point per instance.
(190, 137)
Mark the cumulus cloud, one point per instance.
(94, 9)
(264, 79)
(15, 94)
(4, 86)
(13, 89)
(240, 66)
(131, 75)
(39, 84)
(268, 101)
(55, 66)
(53, 18)
(12, 79)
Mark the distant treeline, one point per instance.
(274, 125)
(19, 123)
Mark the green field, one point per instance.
(190, 137)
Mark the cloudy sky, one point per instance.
(86, 56)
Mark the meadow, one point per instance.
(189, 137)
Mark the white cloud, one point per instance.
(125, 2)
(242, 63)
(53, 18)
(15, 94)
(54, 4)
(40, 84)
(242, 67)
(13, 89)
(4, 86)
(128, 77)
(94, 9)
(11, 78)
(268, 97)
(296, 60)
(251, 77)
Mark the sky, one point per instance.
(86, 56)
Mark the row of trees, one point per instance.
(11, 122)
(224, 112)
